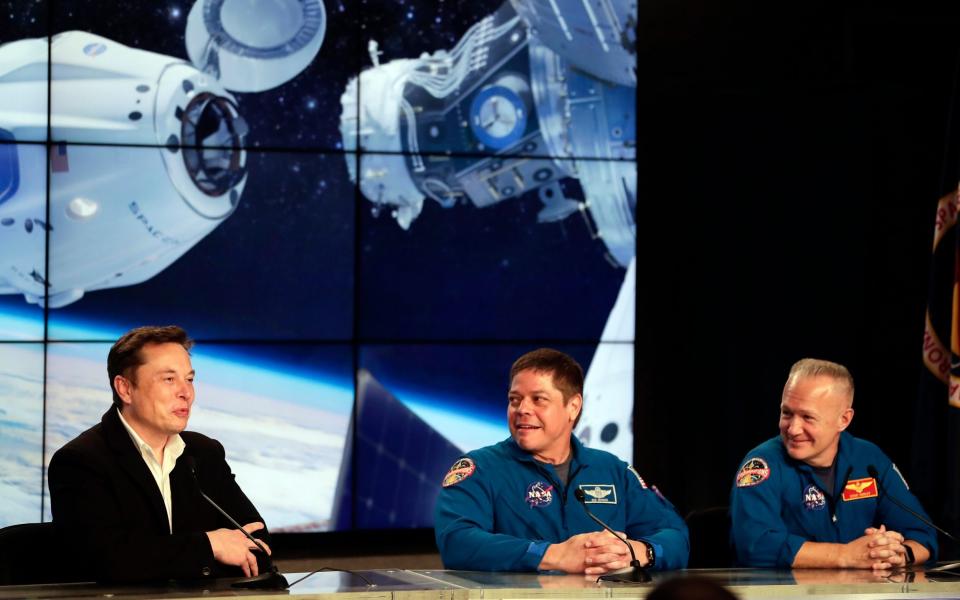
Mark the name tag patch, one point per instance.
(858, 489)
(599, 493)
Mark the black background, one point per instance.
(790, 164)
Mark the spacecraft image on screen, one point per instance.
(243, 280)
(336, 199)
(196, 170)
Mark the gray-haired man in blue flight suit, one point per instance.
(511, 506)
(818, 497)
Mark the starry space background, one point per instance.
(23, 19)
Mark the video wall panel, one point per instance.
(523, 78)
(363, 211)
(134, 241)
(21, 432)
(281, 412)
(491, 248)
(23, 239)
(420, 407)
(23, 76)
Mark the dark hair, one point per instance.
(567, 373)
(125, 356)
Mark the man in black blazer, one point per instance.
(121, 493)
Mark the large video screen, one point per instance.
(362, 211)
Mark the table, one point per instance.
(473, 585)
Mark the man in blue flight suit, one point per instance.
(512, 507)
(818, 497)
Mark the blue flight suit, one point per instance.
(778, 503)
(499, 509)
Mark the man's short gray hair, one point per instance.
(815, 367)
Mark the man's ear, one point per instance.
(845, 417)
(574, 406)
(122, 386)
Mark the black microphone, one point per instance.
(846, 476)
(638, 573)
(872, 471)
(833, 504)
(272, 579)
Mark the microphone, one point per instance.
(872, 471)
(833, 506)
(272, 579)
(638, 574)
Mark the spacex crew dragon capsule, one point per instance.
(163, 160)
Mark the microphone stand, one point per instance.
(272, 579)
(872, 471)
(948, 568)
(637, 573)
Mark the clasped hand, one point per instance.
(231, 547)
(593, 553)
(878, 549)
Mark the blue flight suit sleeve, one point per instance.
(653, 520)
(899, 520)
(463, 525)
(759, 535)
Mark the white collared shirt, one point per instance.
(159, 470)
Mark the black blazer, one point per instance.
(107, 505)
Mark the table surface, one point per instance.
(466, 585)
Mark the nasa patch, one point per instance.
(460, 470)
(753, 472)
(539, 494)
(599, 493)
(643, 483)
(814, 498)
